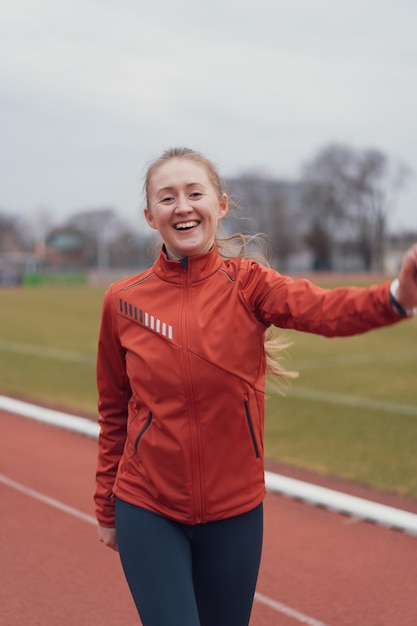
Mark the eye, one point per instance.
(195, 195)
(167, 199)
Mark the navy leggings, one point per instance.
(181, 575)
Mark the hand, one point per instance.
(407, 289)
(108, 537)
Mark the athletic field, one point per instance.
(351, 413)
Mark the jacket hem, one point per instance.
(185, 518)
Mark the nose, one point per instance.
(183, 205)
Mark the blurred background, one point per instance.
(308, 108)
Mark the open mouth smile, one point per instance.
(186, 225)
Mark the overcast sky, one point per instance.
(91, 90)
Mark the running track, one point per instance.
(319, 568)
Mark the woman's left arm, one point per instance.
(339, 312)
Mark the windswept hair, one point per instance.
(254, 247)
(257, 247)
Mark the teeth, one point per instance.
(185, 225)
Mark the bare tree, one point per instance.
(112, 242)
(349, 194)
(269, 206)
(376, 181)
(16, 249)
(326, 199)
(14, 236)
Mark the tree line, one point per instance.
(339, 207)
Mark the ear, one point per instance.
(149, 218)
(224, 206)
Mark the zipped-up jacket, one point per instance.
(181, 377)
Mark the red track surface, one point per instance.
(319, 568)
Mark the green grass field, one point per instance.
(351, 413)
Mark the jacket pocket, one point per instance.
(143, 431)
(250, 425)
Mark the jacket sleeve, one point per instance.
(301, 305)
(113, 397)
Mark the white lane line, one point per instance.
(69, 510)
(345, 400)
(275, 483)
(44, 352)
(343, 360)
(286, 610)
(56, 504)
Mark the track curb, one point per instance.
(316, 495)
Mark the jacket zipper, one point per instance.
(252, 433)
(143, 431)
(196, 453)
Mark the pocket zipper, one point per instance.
(252, 434)
(143, 431)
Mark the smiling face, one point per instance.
(184, 206)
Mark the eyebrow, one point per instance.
(171, 188)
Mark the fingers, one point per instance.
(111, 544)
(410, 262)
(407, 287)
(108, 537)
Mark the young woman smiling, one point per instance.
(181, 368)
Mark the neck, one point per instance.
(172, 255)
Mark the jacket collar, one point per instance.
(196, 267)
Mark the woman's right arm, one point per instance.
(113, 396)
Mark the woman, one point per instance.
(181, 375)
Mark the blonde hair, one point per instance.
(255, 247)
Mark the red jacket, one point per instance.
(181, 375)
